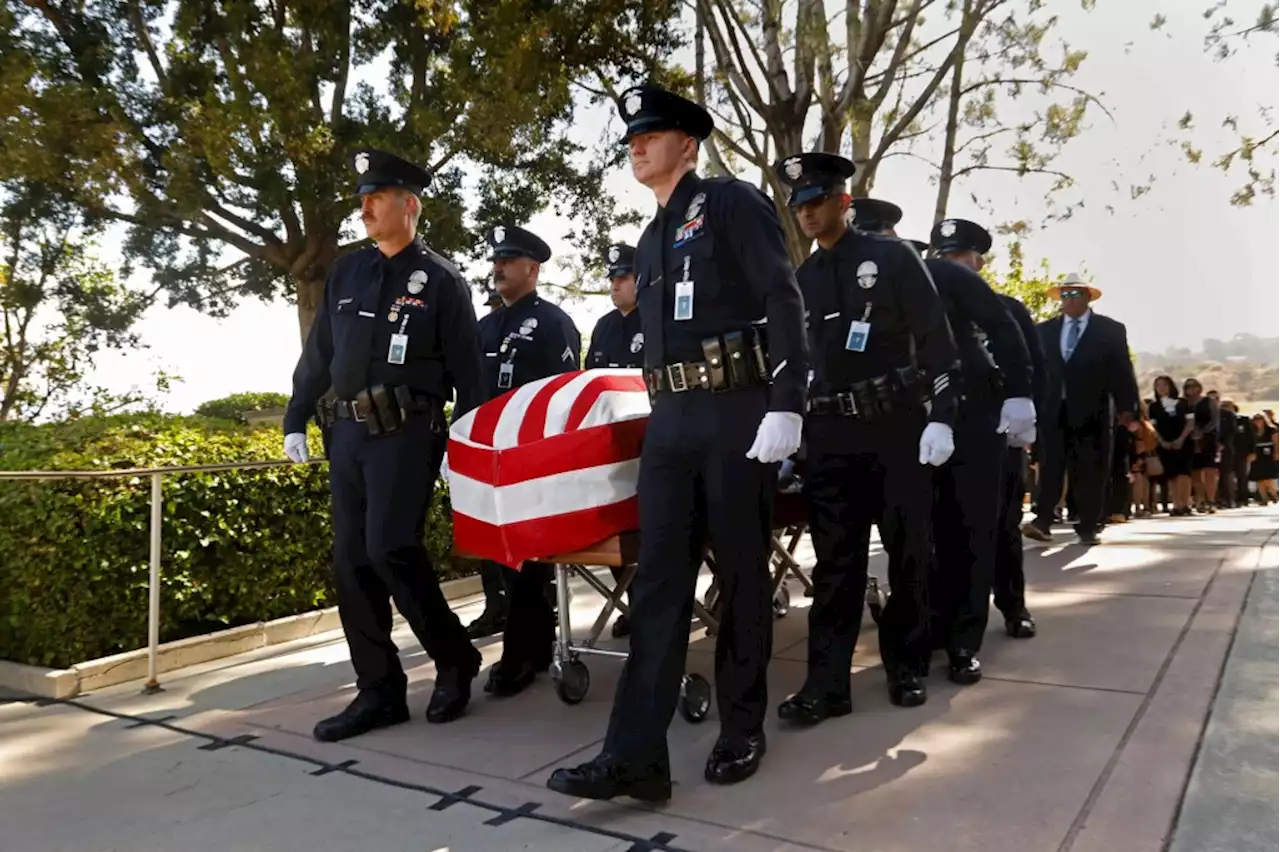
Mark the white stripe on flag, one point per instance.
(572, 491)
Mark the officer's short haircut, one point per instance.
(405, 194)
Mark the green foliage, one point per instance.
(58, 308)
(233, 406)
(238, 547)
(205, 126)
(1027, 285)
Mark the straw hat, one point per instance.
(1073, 280)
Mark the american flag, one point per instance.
(549, 467)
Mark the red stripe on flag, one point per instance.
(599, 385)
(512, 544)
(487, 416)
(533, 425)
(585, 448)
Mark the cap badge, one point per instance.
(947, 228)
(867, 272)
(793, 168)
(499, 235)
(614, 254)
(362, 163)
(632, 104)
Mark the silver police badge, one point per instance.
(614, 254)
(632, 104)
(793, 168)
(637, 342)
(499, 235)
(867, 272)
(417, 281)
(695, 206)
(947, 228)
(362, 163)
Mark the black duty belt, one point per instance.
(384, 409)
(874, 399)
(733, 360)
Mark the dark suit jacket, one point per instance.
(1099, 377)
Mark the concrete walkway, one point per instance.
(1081, 740)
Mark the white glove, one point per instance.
(295, 447)
(1023, 439)
(777, 437)
(937, 443)
(444, 466)
(1016, 415)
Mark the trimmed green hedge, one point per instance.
(232, 407)
(239, 547)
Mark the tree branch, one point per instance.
(144, 36)
(344, 60)
(1016, 81)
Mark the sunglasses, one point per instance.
(1073, 293)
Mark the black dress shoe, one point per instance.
(490, 623)
(807, 708)
(964, 668)
(452, 694)
(1020, 625)
(734, 759)
(621, 627)
(906, 688)
(1089, 538)
(369, 711)
(511, 678)
(607, 778)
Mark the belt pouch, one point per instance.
(736, 351)
(715, 356)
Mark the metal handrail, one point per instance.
(156, 474)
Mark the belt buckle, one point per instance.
(846, 405)
(356, 413)
(674, 370)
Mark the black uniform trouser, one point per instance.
(531, 625)
(1226, 495)
(859, 474)
(1082, 452)
(1242, 478)
(493, 579)
(965, 514)
(1009, 582)
(381, 487)
(1119, 489)
(696, 482)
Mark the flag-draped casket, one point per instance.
(549, 467)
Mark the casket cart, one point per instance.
(547, 473)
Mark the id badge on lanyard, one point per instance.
(684, 295)
(859, 331)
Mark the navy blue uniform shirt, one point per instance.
(724, 235)
(617, 341)
(987, 338)
(534, 337)
(368, 297)
(881, 281)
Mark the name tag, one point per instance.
(859, 331)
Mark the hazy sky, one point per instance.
(1178, 265)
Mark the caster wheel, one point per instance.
(695, 698)
(781, 602)
(875, 599)
(572, 681)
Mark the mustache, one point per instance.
(499, 277)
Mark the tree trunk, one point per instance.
(310, 291)
(309, 270)
(861, 127)
(946, 172)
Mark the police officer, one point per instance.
(617, 341)
(965, 244)
(395, 336)
(526, 339)
(712, 272)
(876, 216)
(881, 348)
(996, 407)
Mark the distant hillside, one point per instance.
(1243, 348)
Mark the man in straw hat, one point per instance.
(1089, 381)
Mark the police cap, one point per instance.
(813, 176)
(960, 235)
(377, 169)
(647, 109)
(620, 259)
(874, 215)
(919, 245)
(511, 241)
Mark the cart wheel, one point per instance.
(572, 681)
(781, 602)
(875, 599)
(695, 698)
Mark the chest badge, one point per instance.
(417, 282)
(527, 327)
(637, 342)
(695, 206)
(867, 272)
